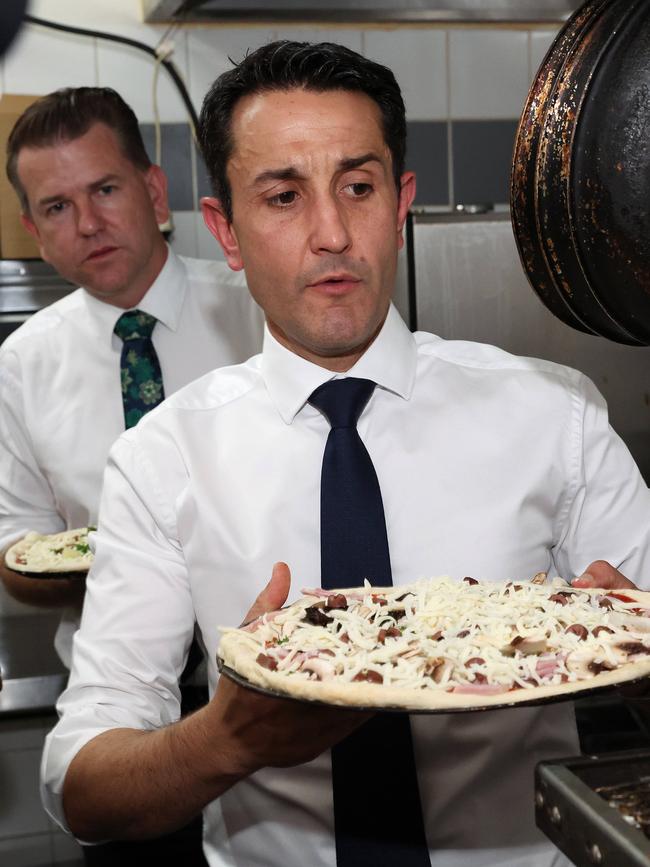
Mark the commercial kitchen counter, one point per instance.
(32, 674)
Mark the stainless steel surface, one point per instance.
(32, 674)
(470, 285)
(345, 11)
(30, 695)
(26, 285)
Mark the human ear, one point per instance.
(404, 202)
(223, 230)
(31, 227)
(156, 181)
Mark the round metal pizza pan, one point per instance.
(51, 576)
(272, 693)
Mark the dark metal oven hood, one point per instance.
(360, 11)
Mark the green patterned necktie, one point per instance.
(142, 385)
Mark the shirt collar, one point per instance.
(164, 298)
(389, 361)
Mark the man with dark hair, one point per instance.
(243, 467)
(71, 378)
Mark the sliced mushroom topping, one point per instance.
(598, 629)
(470, 581)
(437, 636)
(336, 600)
(368, 675)
(437, 668)
(463, 633)
(475, 660)
(530, 645)
(321, 668)
(266, 661)
(539, 578)
(577, 662)
(578, 629)
(604, 602)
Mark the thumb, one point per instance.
(274, 594)
(602, 574)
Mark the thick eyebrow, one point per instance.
(290, 173)
(356, 162)
(96, 185)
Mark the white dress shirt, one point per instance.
(60, 393)
(490, 465)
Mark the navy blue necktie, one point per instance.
(377, 811)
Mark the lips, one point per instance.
(336, 284)
(100, 253)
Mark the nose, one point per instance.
(330, 231)
(89, 220)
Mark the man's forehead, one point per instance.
(279, 126)
(82, 159)
(99, 139)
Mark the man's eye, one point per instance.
(56, 208)
(288, 197)
(107, 189)
(359, 189)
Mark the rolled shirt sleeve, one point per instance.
(137, 623)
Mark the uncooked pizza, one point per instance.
(441, 644)
(56, 553)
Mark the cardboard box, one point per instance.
(15, 241)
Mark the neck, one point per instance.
(337, 363)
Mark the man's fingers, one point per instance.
(602, 574)
(274, 594)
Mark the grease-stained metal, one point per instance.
(581, 173)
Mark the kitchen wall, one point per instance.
(28, 837)
(464, 90)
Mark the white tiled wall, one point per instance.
(28, 838)
(407, 53)
(489, 73)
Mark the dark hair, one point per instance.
(285, 65)
(67, 114)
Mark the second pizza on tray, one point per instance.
(440, 644)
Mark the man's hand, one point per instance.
(602, 574)
(276, 732)
(274, 594)
(125, 783)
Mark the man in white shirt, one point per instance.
(93, 200)
(488, 465)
